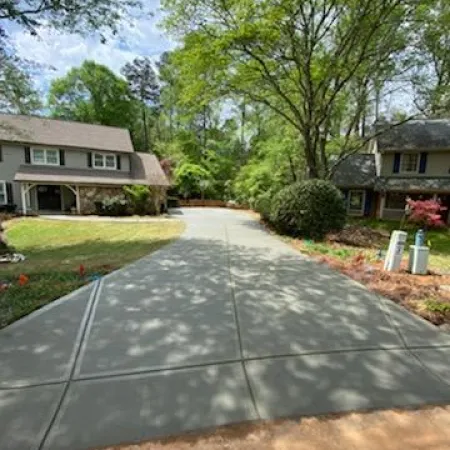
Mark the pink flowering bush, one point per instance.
(426, 213)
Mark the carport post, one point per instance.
(24, 199)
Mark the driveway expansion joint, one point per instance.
(90, 309)
(238, 328)
(408, 348)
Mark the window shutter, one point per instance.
(89, 159)
(9, 193)
(396, 168)
(1, 154)
(27, 155)
(423, 162)
(62, 157)
(119, 167)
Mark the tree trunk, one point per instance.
(204, 130)
(144, 119)
(292, 168)
(171, 123)
(243, 117)
(312, 171)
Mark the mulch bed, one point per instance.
(401, 287)
(358, 236)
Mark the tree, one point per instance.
(309, 61)
(76, 16)
(426, 213)
(431, 58)
(191, 179)
(274, 157)
(17, 94)
(144, 86)
(92, 93)
(169, 97)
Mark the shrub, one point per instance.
(426, 213)
(192, 180)
(439, 307)
(139, 199)
(8, 208)
(263, 204)
(310, 208)
(112, 206)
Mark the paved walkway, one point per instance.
(225, 325)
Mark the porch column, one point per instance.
(77, 199)
(23, 192)
(382, 203)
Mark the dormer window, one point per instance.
(47, 157)
(409, 163)
(105, 161)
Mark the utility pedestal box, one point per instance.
(418, 259)
(395, 251)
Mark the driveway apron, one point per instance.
(225, 325)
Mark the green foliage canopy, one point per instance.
(92, 93)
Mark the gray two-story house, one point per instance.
(49, 165)
(410, 160)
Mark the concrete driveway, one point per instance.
(225, 325)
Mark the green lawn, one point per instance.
(55, 250)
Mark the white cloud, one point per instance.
(57, 52)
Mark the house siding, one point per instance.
(393, 214)
(14, 157)
(77, 159)
(438, 165)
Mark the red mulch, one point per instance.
(401, 287)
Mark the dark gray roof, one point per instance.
(406, 184)
(357, 170)
(424, 134)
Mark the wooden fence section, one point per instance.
(210, 204)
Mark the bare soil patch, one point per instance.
(425, 429)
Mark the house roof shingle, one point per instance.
(145, 166)
(407, 184)
(145, 169)
(60, 133)
(356, 170)
(421, 134)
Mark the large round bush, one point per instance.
(310, 209)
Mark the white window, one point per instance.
(3, 194)
(409, 163)
(45, 157)
(355, 202)
(105, 161)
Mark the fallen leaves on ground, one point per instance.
(359, 236)
(424, 429)
(411, 291)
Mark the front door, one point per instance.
(49, 198)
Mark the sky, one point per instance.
(57, 52)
